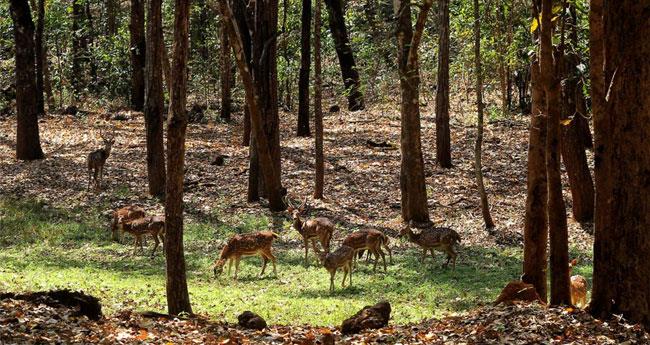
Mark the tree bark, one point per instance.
(28, 144)
(558, 232)
(76, 73)
(178, 299)
(478, 149)
(344, 52)
(40, 57)
(138, 51)
(536, 221)
(412, 181)
(621, 281)
(443, 136)
(89, 43)
(154, 100)
(47, 81)
(226, 74)
(112, 7)
(318, 106)
(305, 62)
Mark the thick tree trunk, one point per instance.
(621, 281)
(40, 57)
(318, 106)
(305, 62)
(138, 48)
(536, 222)
(178, 299)
(412, 181)
(478, 150)
(28, 143)
(112, 7)
(558, 232)
(154, 100)
(443, 136)
(344, 52)
(226, 74)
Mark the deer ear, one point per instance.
(574, 262)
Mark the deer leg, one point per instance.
(390, 253)
(345, 275)
(229, 266)
(424, 255)
(350, 268)
(237, 266)
(90, 178)
(383, 258)
(155, 238)
(433, 255)
(270, 255)
(306, 251)
(264, 261)
(332, 273)
(101, 176)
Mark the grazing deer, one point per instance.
(578, 287)
(371, 240)
(441, 239)
(258, 243)
(97, 159)
(154, 225)
(319, 228)
(122, 215)
(341, 257)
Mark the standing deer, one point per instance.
(319, 228)
(341, 257)
(154, 225)
(123, 215)
(441, 239)
(371, 240)
(258, 243)
(578, 287)
(97, 159)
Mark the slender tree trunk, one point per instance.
(47, 81)
(76, 74)
(318, 105)
(558, 233)
(305, 64)
(443, 136)
(40, 58)
(28, 144)
(89, 43)
(138, 48)
(621, 281)
(178, 299)
(536, 221)
(167, 69)
(154, 105)
(412, 181)
(502, 51)
(246, 136)
(111, 16)
(478, 150)
(226, 74)
(344, 52)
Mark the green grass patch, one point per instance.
(60, 250)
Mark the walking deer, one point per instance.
(123, 215)
(258, 243)
(342, 258)
(319, 228)
(430, 239)
(154, 225)
(97, 159)
(371, 240)
(578, 287)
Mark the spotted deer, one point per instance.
(97, 159)
(578, 287)
(340, 258)
(319, 228)
(430, 239)
(154, 225)
(258, 243)
(371, 240)
(123, 215)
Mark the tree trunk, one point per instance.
(305, 62)
(40, 58)
(344, 52)
(536, 222)
(478, 150)
(47, 81)
(557, 222)
(154, 100)
(318, 105)
(246, 135)
(443, 136)
(138, 48)
(167, 69)
(178, 299)
(112, 7)
(76, 73)
(412, 181)
(28, 143)
(621, 281)
(89, 42)
(226, 74)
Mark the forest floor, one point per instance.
(55, 234)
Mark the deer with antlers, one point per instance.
(97, 159)
(319, 228)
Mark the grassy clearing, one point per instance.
(42, 248)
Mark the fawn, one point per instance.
(441, 239)
(122, 215)
(154, 225)
(97, 159)
(371, 240)
(341, 257)
(258, 243)
(578, 287)
(319, 228)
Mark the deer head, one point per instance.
(108, 139)
(294, 211)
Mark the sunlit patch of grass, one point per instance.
(66, 255)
